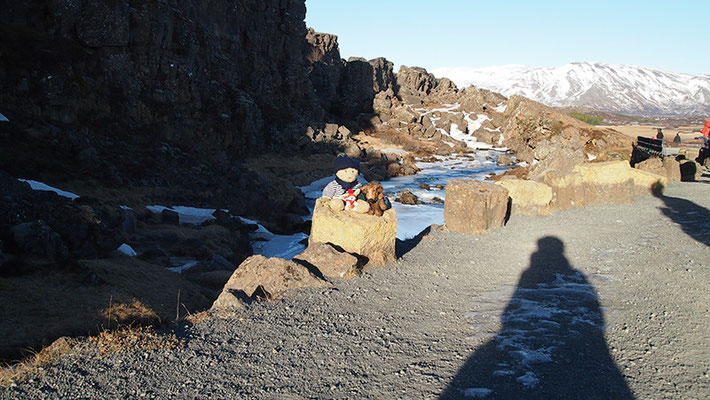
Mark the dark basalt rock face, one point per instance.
(43, 229)
(211, 75)
(165, 96)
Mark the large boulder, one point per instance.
(473, 207)
(690, 171)
(39, 243)
(528, 197)
(266, 277)
(613, 182)
(366, 235)
(331, 262)
(667, 166)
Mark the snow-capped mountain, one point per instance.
(606, 87)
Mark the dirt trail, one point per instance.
(601, 302)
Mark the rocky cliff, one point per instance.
(165, 96)
(217, 75)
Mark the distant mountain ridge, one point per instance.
(614, 88)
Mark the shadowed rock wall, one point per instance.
(212, 74)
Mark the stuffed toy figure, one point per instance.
(344, 190)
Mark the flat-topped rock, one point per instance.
(473, 207)
(331, 262)
(528, 197)
(267, 277)
(613, 182)
(366, 235)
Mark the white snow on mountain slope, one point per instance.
(606, 87)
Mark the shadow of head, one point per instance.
(658, 188)
(546, 263)
(551, 245)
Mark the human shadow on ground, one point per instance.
(693, 219)
(551, 345)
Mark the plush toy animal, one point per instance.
(343, 191)
(373, 193)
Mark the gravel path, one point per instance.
(603, 302)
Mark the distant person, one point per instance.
(659, 135)
(676, 140)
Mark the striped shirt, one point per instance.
(333, 189)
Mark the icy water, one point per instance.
(412, 219)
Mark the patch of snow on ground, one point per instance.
(501, 108)
(529, 380)
(270, 244)
(187, 215)
(477, 393)
(46, 188)
(474, 125)
(468, 138)
(446, 108)
(127, 250)
(392, 150)
(184, 267)
(263, 241)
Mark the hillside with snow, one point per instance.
(614, 88)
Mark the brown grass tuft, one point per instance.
(34, 364)
(197, 318)
(131, 339)
(133, 313)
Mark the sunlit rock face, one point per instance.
(366, 235)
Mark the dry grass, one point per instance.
(418, 147)
(127, 338)
(132, 332)
(314, 56)
(39, 308)
(133, 313)
(197, 318)
(11, 374)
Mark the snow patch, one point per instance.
(477, 393)
(392, 150)
(127, 250)
(35, 185)
(184, 267)
(270, 244)
(529, 380)
(501, 108)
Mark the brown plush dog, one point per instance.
(374, 194)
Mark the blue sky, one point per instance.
(672, 35)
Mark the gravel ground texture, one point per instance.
(605, 302)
